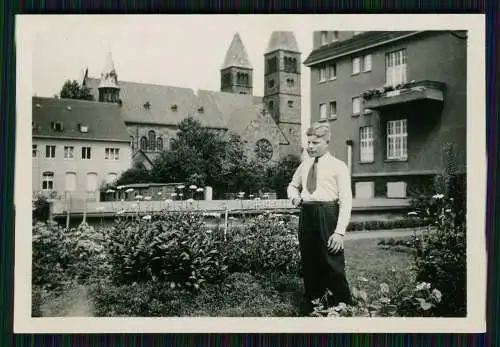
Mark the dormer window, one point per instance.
(83, 128)
(174, 108)
(57, 126)
(147, 105)
(200, 109)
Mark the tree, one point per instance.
(73, 90)
(136, 174)
(283, 173)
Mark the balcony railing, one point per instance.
(377, 98)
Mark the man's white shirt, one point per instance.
(333, 182)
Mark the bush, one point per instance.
(172, 247)
(264, 244)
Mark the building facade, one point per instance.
(77, 147)
(394, 100)
(270, 126)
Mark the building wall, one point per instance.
(80, 167)
(436, 56)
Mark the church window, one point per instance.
(144, 143)
(290, 64)
(290, 103)
(270, 83)
(264, 150)
(226, 79)
(272, 65)
(152, 140)
(159, 144)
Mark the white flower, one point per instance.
(257, 198)
(251, 196)
(148, 217)
(448, 210)
(120, 212)
(138, 197)
(438, 196)
(384, 287)
(130, 190)
(200, 189)
(147, 198)
(436, 294)
(173, 194)
(423, 285)
(110, 191)
(192, 186)
(208, 231)
(181, 186)
(119, 187)
(412, 213)
(159, 193)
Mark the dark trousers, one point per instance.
(321, 268)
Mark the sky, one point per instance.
(184, 51)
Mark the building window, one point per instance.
(69, 152)
(272, 65)
(322, 73)
(366, 154)
(144, 143)
(290, 83)
(322, 111)
(364, 190)
(86, 153)
(396, 190)
(290, 103)
(242, 78)
(159, 144)
(290, 64)
(91, 182)
(50, 151)
(70, 182)
(323, 38)
(226, 79)
(355, 65)
(356, 105)
(152, 140)
(333, 109)
(112, 153)
(367, 63)
(332, 71)
(270, 83)
(34, 151)
(48, 180)
(335, 36)
(397, 139)
(395, 72)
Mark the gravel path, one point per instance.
(357, 235)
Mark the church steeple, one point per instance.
(282, 87)
(109, 90)
(237, 72)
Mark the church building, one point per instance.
(269, 125)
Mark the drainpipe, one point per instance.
(349, 155)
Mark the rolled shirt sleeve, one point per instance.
(345, 198)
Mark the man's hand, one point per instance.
(297, 202)
(336, 243)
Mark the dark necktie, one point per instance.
(311, 177)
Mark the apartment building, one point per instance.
(77, 146)
(393, 100)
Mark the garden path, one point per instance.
(358, 235)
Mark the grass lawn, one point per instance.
(272, 295)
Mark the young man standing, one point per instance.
(321, 187)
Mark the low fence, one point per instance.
(113, 207)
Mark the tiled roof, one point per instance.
(236, 55)
(284, 40)
(168, 105)
(103, 120)
(358, 42)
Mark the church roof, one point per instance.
(236, 55)
(103, 120)
(109, 78)
(282, 40)
(109, 65)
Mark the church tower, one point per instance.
(282, 90)
(109, 91)
(237, 72)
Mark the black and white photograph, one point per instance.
(250, 173)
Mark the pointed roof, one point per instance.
(109, 66)
(282, 40)
(236, 55)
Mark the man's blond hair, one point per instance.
(320, 129)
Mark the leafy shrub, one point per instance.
(264, 244)
(172, 247)
(41, 210)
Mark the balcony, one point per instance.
(423, 92)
